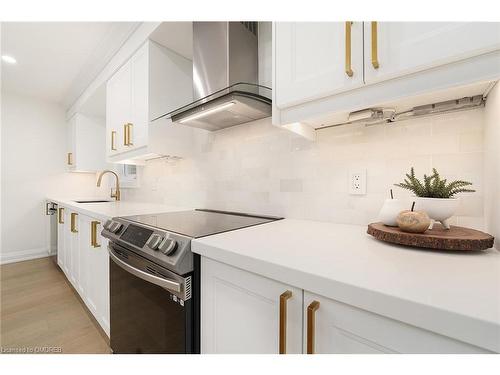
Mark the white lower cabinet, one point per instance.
(82, 255)
(95, 267)
(61, 237)
(240, 312)
(339, 328)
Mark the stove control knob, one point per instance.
(168, 246)
(154, 241)
(115, 227)
(107, 224)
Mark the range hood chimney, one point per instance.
(225, 77)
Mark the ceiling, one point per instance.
(58, 60)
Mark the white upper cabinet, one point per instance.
(316, 59)
(153, 82)
(393, 49)
(391, 63)
(118, 109)
(86, 142)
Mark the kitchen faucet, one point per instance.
(116, 194)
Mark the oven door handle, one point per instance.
(164, 283)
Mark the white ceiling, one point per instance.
(58, 60)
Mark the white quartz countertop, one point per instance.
(454, 294)
(107, 210)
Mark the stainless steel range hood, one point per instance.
(225, 77)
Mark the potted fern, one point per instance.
(435, 196)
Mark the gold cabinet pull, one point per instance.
(93, 233)
(113, 136)
(129, 131)
(127, 134)
(70, 158)
(73, 222)
(311, 310)
(61, 215)
(375, 62)
(348, 65)
(284, 297)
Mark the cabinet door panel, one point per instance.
(310, 60)
(139, 116)
(67, 244)
(407, 47)
(61, 249)
(74, 250)
(97, 263)
(71, 135)
(118, 101)
(240, 312)
(345, 329)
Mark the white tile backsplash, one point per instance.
(260, 168)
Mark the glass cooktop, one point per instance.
(200, 223)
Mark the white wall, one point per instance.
(492, 163)
(33, 167)
(259, 168)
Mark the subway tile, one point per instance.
(260, 168)
(291, 185)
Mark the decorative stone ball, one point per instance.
(413, 221)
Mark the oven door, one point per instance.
(151, 310)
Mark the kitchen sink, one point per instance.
(96, 201)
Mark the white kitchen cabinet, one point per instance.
(118, 99)
(73, 250)
(68, 237)
(316, 59)
(406, 64)
(153, 82)
(394, 49)
(86, 144)
(339, 328)
(83, 257)
(240, 312)
(94, 263)
(61, 237)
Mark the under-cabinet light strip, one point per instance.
(207, 112)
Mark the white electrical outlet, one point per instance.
(357, 181)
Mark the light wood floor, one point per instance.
(39, 308)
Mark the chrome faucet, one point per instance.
(116, 194)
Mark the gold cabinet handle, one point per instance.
(284, 297)
(113, 136)
(93, 234)
(311, 310)
(70, 158)
(129, 131)
(61, 215)
(73, 222)
(348, 65)
(375, 62)
(127, 134)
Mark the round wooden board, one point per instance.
(456, 238)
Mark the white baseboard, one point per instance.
(19, 256)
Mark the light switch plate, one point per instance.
(357, 181)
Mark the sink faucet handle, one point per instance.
(115, 194)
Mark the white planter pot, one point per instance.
(438, 209)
